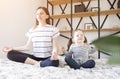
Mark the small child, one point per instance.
(78, 54)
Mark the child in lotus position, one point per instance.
(78, 53)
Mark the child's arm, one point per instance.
(93, 49)
(70, 53)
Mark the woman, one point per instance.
(78, 54)
(43, 38)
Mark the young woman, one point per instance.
(43, 39)
(78, 54)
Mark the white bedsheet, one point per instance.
(14, 70)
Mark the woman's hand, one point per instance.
(7, 48)
(54, 55)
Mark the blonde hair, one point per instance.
(71, 39)
(85, 41)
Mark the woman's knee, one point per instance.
(49, 62)
(16, 56)
(10, 55)
(55, 63)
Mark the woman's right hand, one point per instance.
(7, 48)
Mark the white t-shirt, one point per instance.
(42, 40)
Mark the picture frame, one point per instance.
(94, 8)
(80, 8)
(88, 26)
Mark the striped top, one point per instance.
(81, 53)
(42, 40)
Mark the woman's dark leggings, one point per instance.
(21, 57)
(73, 64)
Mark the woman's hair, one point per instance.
(47, 12)
(71, 39)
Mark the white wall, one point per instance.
(16, 17)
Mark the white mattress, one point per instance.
(14, 70)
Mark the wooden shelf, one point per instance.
(58, 2)
(94, 30)
(87, 14)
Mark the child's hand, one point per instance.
(62, 48)
(63, 51)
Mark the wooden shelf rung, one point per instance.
(58, 2)
(87, 14)
(93, 30)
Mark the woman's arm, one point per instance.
(93, 49)
(55, 49)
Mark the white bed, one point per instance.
(14, 70)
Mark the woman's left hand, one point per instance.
(54, 56)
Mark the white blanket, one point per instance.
(14, 70)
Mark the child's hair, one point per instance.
(70, 40)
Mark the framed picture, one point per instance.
(88, 26)
(94, 8)
(79, 8)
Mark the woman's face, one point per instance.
(79, 37)
(41, 16)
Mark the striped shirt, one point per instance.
(42, 40)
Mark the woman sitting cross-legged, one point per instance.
(43, 39)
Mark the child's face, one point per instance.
(79, 37)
